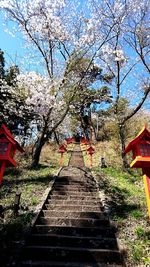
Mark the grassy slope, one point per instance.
(31, 184)
(124, 193)
(127, 206)
(125, 198)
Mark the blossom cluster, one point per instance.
(39, 92)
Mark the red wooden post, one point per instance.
(62, 150)
(91, 161)
(140, 148)
(90, 151)
(61, 160)
(70, 140)
(8, 147)
(2, 169)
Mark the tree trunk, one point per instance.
(122, 139)
(56, 137)
(93, 133)
(36, 154)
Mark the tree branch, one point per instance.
(138, 106)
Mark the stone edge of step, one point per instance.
(103, 198)
(44, 197)
(71, 264)
(37, 212)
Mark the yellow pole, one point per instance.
(146, 180)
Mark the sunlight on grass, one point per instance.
(128, 208)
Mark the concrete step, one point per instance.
(73, 241)
(65, 264)
(72, 207)
(73, 197)
(74, 202)
(72, 230)
(77, 177)
(61, 193)
(75, 182)
(84, 222)
(61, 253)
(70, 181)
(75, 188)
(99, 232)
(75, 214)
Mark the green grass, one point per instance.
(140, 232)
(31, 184)
(127, 202)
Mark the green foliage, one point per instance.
(126, 199)
(137, 214)
(137, 252)
(11, 75)
(80, 77)
(140, 232)
(13, 109)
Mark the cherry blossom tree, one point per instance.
(57, 33)
(13, 109)
(112, 34)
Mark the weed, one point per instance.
(118, 219)
(137, 252)
(34, 200)
(140, 232)
(137, 214)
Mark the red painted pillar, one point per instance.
(61, 160)
(91, 160)
(2, 169)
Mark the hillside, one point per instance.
(122, 194)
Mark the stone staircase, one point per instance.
(72, 229)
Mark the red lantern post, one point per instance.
(70, 140)
(62, 150)
(91, 151)
(84, 141)
(8, 147)
(140, 148)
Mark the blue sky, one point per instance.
(12, 47)
(14, 50)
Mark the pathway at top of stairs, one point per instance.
(72, 229)
(77, 157)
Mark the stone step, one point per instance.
(88, 194)
(74, 190)
(75, 178)
(99, 232)
(64, 264)
(74, 202)
(74, 187)
(72, 207)
(84, 222)
(75, 214)
(75, 182)
(73, 241)
(67, 197)
(71, 254)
